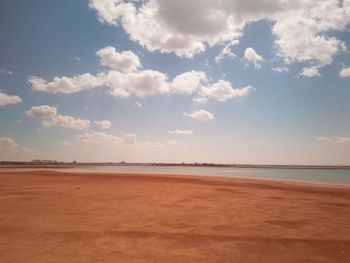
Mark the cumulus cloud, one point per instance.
(280, 69)
(125, 79)
(310, 72)
(67, 122)
(201, 100)
(105, 124)
(251, 56)
(140, 84)
(8, 99)
(188, 28)
(42, 112)
(125, 62)
(50, 118)
(188, 82)
(201, 115)
(345, 72)
(65, 84)
(102, 137)
(223, 90)
(336, 139)
(180, 132)
(7, 143)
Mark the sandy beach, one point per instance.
(48, 216)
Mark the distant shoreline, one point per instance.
(57, 164)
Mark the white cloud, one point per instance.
(222, 91)
(310, 72)
(336, 139)
(188, 82)
(169, 26)
(201, 115)
(140, 84)
(50, 118)
(201, 100)
(189, 27)
(105, 124)
(67, 122)
(345, 72)
(65, 84)
(6, 72)
(251, 56)
(138, 104)
(42, 112)
(125, 62)
(280, 69)
(181, 132)
(102, 137)
(7, 143)
(8, 99)
(226, 52)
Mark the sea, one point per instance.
(338, 176)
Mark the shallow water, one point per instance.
(323, 176)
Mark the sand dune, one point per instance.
(60, 217)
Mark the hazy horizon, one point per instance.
(247, 82)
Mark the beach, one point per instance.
(51, 216)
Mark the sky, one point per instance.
(229, 81)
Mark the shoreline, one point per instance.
(35, 169)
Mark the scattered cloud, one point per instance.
(125, 62)
(345, 72)
(188, 28)
(8, 99)
(280, 69)
(50, 118)
(201, 115)
(42, 112)
(187, 83)
(336, 139)
(77, 59)
(201, 100)
(6, 72)
(140, 84)
(223, 90)
(7, 143)
(102, 137)
(251, 56)
(65, 84)
(310, 72)
(105, 124)
(181, 132)
(125, 79)
(138, 104)
(226, 52)
(67, 122)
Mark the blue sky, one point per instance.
(252, 114)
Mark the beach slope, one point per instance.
(48, 216)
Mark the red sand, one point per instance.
(61, 217)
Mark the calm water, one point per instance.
(326, 176)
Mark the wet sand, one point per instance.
(60, 217)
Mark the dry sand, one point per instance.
(58, 217)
